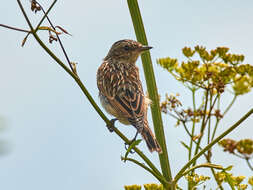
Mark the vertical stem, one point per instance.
(216, 179)
(193, 128)
(209, 120)
(194, 123)
(151, 86)
(202, 125)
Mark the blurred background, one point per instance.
(52, 137)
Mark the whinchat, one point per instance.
(120, 89)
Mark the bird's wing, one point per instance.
(130, 105)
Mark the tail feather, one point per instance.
(150, 139)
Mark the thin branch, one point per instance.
(216, 179)
(211, 108)
(249, 164)
(192, 138)
(25, 15)
(202, 125)
(215, 128)
(14, 28)
(45, 14)
(159, 177)
(230, 105)
(194, 122)
(226, 110)
(61, 45)
(209, 120)
(179, 174)
(207, 165)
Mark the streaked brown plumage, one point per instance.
(120, 88)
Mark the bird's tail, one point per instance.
(150, 139)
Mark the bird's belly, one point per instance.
(109, 109)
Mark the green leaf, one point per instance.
(185, 145)
(229, 168)
(132, 145)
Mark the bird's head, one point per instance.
(126, 51)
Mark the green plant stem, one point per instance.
(151, 86)
(159, 177)
(229, 181)
(202, 126)
(215, 128)
(226, 110)
(179, 174)
(208, 119)
(86, 93)
(212, 104)
(248, 163)
(207, 165)
(45, 15)
(194, 122)
(230, 105)
(14, 28)
(216, 179)
(58, 37)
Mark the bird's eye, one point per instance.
(126, 47)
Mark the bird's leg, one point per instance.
(134, 139)
(111, 125)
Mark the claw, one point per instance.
(134, 139)
(111, 125)
(127, 146)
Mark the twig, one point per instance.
(45, 14)
(14, 28)
(61, 45)
(249, 164)
(207, 165)
(202, 125)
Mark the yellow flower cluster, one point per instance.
(132, 187)
(234, 181)
(195, 179)
(150, 186)
(153, 186)
(244, 146)
(216, 70)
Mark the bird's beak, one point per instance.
(144, 48)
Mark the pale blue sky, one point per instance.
(56, 139)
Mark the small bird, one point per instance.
(120, 89)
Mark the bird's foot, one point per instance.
(111, 125)
(127, 147)
(131, 142)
